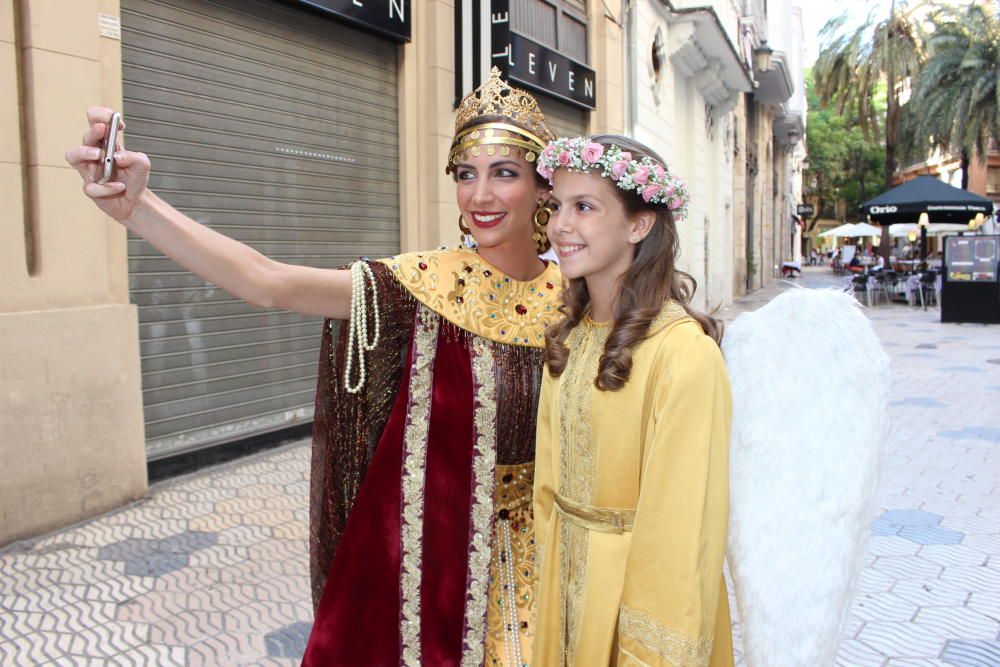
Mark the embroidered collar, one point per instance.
(473, 295)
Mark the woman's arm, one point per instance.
(233, 266)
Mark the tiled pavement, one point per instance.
(211, 569)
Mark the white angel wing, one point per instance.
(810, 388)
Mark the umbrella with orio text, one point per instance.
(926, 194)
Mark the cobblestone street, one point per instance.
(212, 568)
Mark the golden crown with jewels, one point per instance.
(528, 130)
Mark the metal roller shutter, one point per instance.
(564, 119)
(276, 127)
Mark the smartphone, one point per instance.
(110, 143)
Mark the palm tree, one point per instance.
(955, 105)
(857, 62)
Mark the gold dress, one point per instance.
(631, 504)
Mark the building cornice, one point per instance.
(701, 50)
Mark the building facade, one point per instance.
(315, 132)
(685, 77)
(771, 141)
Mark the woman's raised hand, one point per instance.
(233, 266)
(119, 196)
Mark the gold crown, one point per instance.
(495, 97)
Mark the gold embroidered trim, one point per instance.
(675, 647)
(484, 457)
(576, 466)
(414, 465)
(473, 295)
(671, 313)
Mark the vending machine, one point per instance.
(970, 291)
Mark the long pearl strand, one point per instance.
(512, 640)
(358, 328)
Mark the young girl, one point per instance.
(631, 485)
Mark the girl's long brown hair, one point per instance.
(649, 283)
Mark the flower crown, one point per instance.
(646, 177)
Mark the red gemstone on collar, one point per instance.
(520, 310)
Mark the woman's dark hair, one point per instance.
(649, 283)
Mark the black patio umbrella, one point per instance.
(926, 194)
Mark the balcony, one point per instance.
(701, 50)
(774, 84)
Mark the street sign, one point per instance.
(806, 210)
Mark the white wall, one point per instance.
(672, 119)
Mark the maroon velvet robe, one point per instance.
(403, 481)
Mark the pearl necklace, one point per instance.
(508, 590)
(358, 328)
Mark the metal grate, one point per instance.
(274, 126)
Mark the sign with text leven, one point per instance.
(484, 39)
(541, 68)
(389, 18)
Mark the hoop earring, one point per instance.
(468, 240)
(539, 221)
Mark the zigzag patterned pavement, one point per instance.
(212, 569)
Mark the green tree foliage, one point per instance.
(857, 59)
(843, 162)
(955, 104)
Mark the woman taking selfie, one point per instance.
(422, 542)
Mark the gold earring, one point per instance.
(463, 226)
(539, 221)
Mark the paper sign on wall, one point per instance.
(109, 26)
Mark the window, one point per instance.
(657, 56)
(560, 25)
(993, 180)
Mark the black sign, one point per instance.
(536, 66)
(389, 18)
(806, 210)
(483, 39)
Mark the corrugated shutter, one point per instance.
(565, 119)
(274, 126)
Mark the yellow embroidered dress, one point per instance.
(631, 504)
(422, 537)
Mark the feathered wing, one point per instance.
(810, 386)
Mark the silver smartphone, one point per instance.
(110, 143)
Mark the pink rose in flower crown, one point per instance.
(619, 169)
(674, 203)
(650, 191)
(544, 171)
(669, 190)
(592, 152)
(660, 172)
(641, 175)
(549, 151)
(625, 155)
(564, 158)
